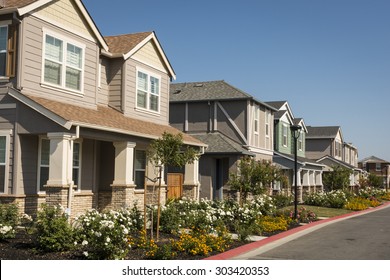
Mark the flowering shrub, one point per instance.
(306, 216)
(385, 196)
(105, 235)
(53, 231)
(269, 224)
(9, 219)
(371, 192)
(332, 199)
(357, 204)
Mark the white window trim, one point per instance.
(65, 41)
(39, 163)
(256, 122)
(267, 131)
(78, 183)
(300, 142)
(6, 50)
(138, 169)
(147, 109)
(7, 134)
(284, 129)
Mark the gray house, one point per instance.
(326, 145)
(78, 110)
(231, 122)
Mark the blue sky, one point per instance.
(330, 59)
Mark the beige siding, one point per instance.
(114, 79)
(32, 70)
(149, 55)
(103, 91)
(131, 110)
(66, 14)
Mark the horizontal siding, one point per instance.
(150, 56)
(131, 111)
(28, 168)
(114, 78)
(32, 70)
(198, 117)
(104, 89)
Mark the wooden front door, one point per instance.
(175, 185)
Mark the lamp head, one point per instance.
(296, 130)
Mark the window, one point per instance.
(378, 166)
(63, 63)
(7, 51)
(267, 129)
(256, 127)
(300, 142)
(76, 166)
(285, 135)
(43, 168)
(148, 91)
(338, 149)
(139, 168)
(3, 162)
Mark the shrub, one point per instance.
(9, 219)
(269, 224)
(105, 235)
(332, 199)
(281, 200)
(306, 216)
(357, 204)
(53, 231)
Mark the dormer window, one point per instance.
(148, 91)
(63, 64)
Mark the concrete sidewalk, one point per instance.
(255, 248)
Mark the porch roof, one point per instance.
(101, 118)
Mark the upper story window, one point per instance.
(338, 148)
(267, 129)
(300, 142)
(148, 91)
(63, 64)
(285, 135)
(7, 50)
(256, 127)
(378, 166)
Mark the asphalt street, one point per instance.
(362, 237)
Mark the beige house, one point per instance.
(78, 110)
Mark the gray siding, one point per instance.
(131, 75)
(317, 148)
(32, 64)
(198, 117)
(177, 116)
(114, 80)
(28, 168)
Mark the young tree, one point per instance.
(169, 150)
(337, 179)
(374, 180)
(255, 177)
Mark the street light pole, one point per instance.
(296, 129)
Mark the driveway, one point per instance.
(363, 236)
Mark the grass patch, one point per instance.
(319, 211)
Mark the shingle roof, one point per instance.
(219, 143)
(123, 44)
(106, 118)
(16, 3)
(210, 90)
(373, 159)
(276, 104)
(322, 131)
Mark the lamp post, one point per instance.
(296, 131)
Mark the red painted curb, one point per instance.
(257, 244)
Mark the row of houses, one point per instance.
(78, 111)
(235, 124)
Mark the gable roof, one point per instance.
(325, 132)
(221, 144)
(126, 45)
(101, 118)
(26, 6)
(373, 159)
(209, 90)
(337, 162)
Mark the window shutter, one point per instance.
(11, 51)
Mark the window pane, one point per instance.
(73, 78)
(44, 177)
(53, 49)
(76, 154)
(45, 152)
(74, 56)
(154, 102)
(140, 160)
(141, 99)
(75, 176)
(3, 38)
(52, 72)
(142, 81)
(139, 179)
(154, 85)
(2, 149)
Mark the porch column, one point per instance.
(60, 169)
(123, 185)
(191, 180)
(320, 187)
(299, 187)
(124, 163)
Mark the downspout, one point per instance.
(71, 184)
(19, 52)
